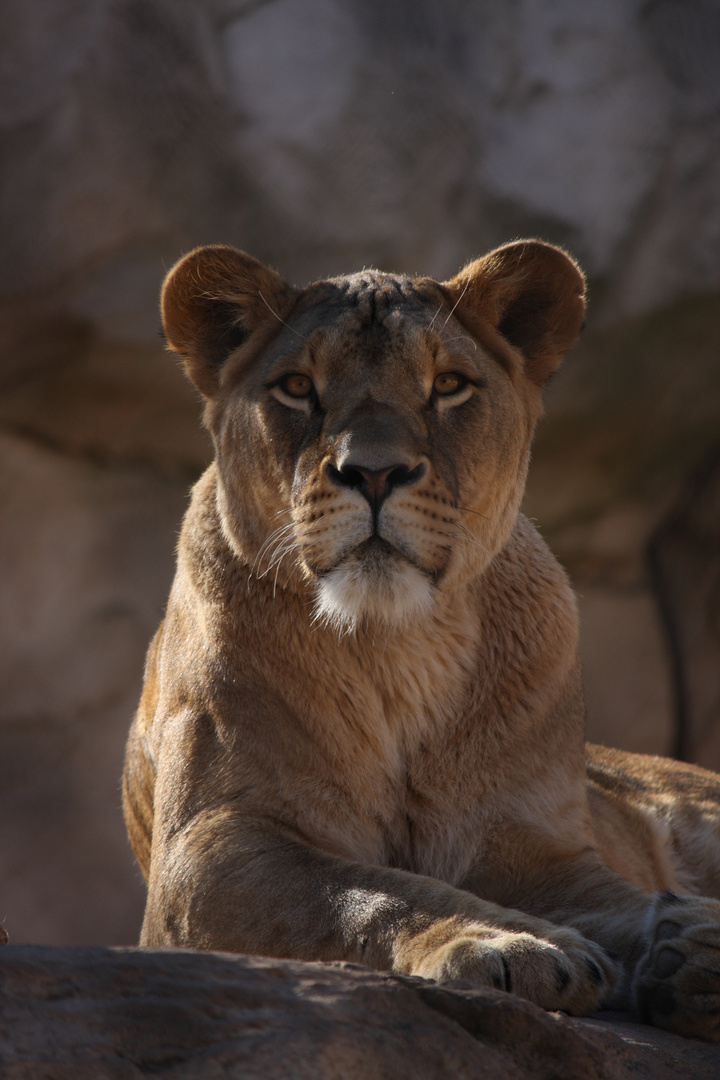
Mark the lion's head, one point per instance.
(373, 431)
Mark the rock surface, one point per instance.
(114, 1015)
(323, 135)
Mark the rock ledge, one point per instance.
(102, 1014)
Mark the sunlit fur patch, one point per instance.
(382, 588)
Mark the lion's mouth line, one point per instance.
(371, 551)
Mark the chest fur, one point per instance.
(376, 759)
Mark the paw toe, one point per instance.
(667, 962)
(677, 983)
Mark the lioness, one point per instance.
(361, 732)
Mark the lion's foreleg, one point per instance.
(228, 881)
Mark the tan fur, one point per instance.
(361, 732)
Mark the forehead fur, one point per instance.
(370, 295)
(379, 319)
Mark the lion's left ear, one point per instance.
(530, 292)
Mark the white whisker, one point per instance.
(452, 309)
(277, 555)
(280, 543)
(277, 571)
(460, 337)
(467, 510)
(277, 536)
(290, 328)
(430, 326)
(472, 540)
(466, 530)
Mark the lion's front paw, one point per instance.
(677, 982)
(564, 971)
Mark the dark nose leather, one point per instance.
(374, 484)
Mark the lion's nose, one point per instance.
(374, 484)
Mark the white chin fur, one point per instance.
(350, 594)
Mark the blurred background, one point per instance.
(324, 136)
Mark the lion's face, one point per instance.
(397, 447)
(372, 432)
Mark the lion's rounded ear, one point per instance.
(530, 292)
(211, 302)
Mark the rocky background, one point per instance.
(324, 135)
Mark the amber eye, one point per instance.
(448, 383)
(297, 386)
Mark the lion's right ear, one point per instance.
(211, 302)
